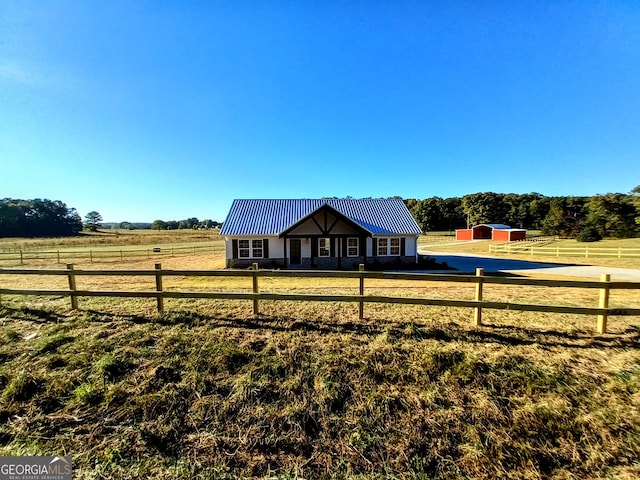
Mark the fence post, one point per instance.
(160, 298)
(361, 304)
(254, 267)
(121, 256)
(58, 256)
(21, 259)
(477, 312)
(72, 286)
(604, 302)
(91, 256)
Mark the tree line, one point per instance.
(188, 224)
(610, 215)
(37, 218)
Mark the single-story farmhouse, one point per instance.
(319, 233)
(492, 231)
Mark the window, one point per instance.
(250, 249)
(324, 247)
(352, 247)
(388, 247)
(382, 247)
(256, 248)
(243, 249)
(394, 247)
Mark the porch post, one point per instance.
(363, 248)
(286, 259)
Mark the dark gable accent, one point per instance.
(325, 209)
(317, 224)
(335, 221)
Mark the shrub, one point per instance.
(589, 234)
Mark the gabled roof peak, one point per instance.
(272, 216)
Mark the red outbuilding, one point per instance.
(492, 231)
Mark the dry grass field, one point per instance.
(307, 390)
(108, 247)
(112, 238)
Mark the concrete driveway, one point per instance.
(468, 263)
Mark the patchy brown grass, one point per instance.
(187, 395)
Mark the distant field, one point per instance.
(104, 238)
(482, 248)
(109, 247)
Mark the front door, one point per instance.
(295, 255)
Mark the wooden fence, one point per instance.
(603, 311)
(95, 255)
(549, 251)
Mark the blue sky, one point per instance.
(171, 109)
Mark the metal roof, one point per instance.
(270, 217)
(495, 226)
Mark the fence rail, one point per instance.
(603, 311)
(585, 252)
(96, 255)
(436, 238)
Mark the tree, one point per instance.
(613, 215)
(92, 221)
(566, 216)
(159, 225)
(635, 200)
(486, 207)
(37, 218)
(452, 210)
(538, 209)
(429, 214)
(589, 234)
(410, 203)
